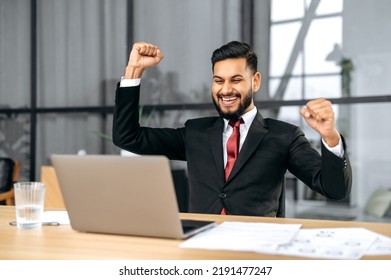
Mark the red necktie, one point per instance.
(232, 149)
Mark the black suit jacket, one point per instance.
(256, 182)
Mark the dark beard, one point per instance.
(238, 113)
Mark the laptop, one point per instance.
(127, 195)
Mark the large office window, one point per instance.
(302, 36)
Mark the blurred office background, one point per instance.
(60, 62)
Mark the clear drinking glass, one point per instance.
(29, 202)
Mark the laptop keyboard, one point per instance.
(190, 225)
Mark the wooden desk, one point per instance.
(61, 242)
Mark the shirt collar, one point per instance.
(247, 118)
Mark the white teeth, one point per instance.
(228, 99)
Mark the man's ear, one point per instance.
(256, 82)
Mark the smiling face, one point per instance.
(233, 86)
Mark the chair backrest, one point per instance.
(6, 172)
(9, 174)
(53, 195)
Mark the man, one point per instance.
(267, 147)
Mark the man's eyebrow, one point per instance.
(232, 77)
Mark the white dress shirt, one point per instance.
(243, 130)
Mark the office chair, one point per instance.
(9, 174)
(53, 195)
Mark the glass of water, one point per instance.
(29, 203)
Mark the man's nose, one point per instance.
(227, 88)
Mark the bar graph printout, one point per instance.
(243, 236)
(381, 247)
(330, 243)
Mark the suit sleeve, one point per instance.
(130, 136)
(336, 174)
(327, 173)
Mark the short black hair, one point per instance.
(235, 49)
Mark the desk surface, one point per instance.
(61, 242)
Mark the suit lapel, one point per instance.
(256, 133)
(215, 134)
